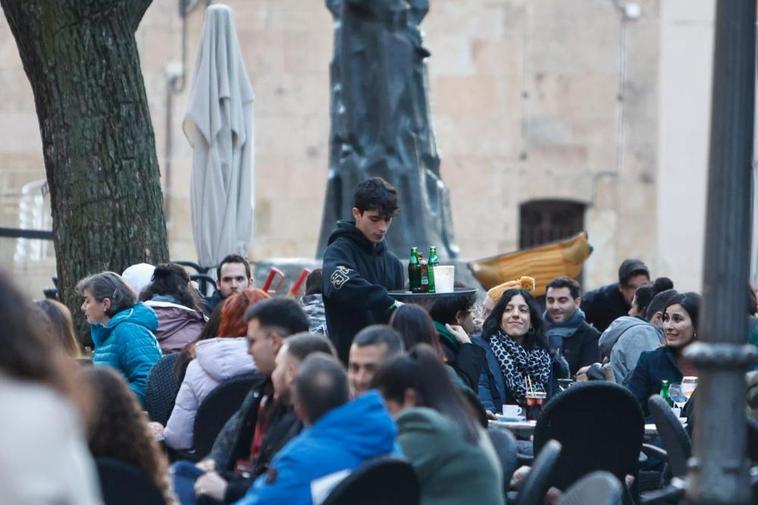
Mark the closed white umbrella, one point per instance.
(219, 125)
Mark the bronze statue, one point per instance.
(381, 124)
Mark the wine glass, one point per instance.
(677, 396)
(689, 384)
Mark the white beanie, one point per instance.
(138, 276)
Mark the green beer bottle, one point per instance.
(414, 271)
(665, 392)
(433, 262)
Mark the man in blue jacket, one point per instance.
(358, 267)
(339, 436)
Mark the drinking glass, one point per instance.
(677, 396)
(689, 384)
(534, 402)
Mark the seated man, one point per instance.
(227, 487)
(233, 275)
(603, 305)
(340, 435)
(371, 347)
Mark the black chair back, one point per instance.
(505, 446)
(124, 484)
(598, 488)
(217, 408)
(675, 439)
(161, 389)
(600, 427)
(538, 479)
(381, 481)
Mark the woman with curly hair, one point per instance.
(177, 305)
(44, 458)
(216, 360)
(119, 428)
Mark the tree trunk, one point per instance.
(82, 61)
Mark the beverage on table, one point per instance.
(414, 272)
(424, 274)
(665, 393)
(534, 402)
(689, 384)
(433, 262)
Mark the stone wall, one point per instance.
(531, 99)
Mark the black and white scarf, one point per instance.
(516, 362)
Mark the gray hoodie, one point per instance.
(624, 340)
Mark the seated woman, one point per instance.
(177, 304)
(44, 458)
(121, 328)
(454, 323)
(680, 317)
(59, 325)
(517, 352)
(453, 457)
(119, 428)
(216, 360)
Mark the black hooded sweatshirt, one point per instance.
(357, 276)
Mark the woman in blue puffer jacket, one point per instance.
(121, 328)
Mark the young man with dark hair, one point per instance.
(359, 270)
(605, 304)
(232, 275)
(340, 435)
(371, 347)
(567, 330)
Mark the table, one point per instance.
(526, 428)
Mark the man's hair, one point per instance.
(302, 345)
(313, 282)
(378, 334)
(283, 314)
(445, 309)
(234, 258)
(565, 282)
(321, 385)
(631, 267)
(376, 194)
(659, 302)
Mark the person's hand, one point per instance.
(460, 334)
(490, 415)
(581, 374)
(519, 476)
(211, 484)
(206, 465)
(156, 430)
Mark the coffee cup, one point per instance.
(512, 410)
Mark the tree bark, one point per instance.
(81, 59)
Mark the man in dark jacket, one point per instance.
(233, 275)
(358, 268)
(605, 304)
(567, 331)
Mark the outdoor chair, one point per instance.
(161, 389)
(598, 488)
(600, 427)
(675, 439)
(381, 481)
(213, 413)
(537, 481)
(505, 446)
(125, 484)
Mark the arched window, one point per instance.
(543, 221)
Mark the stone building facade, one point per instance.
(599, 103)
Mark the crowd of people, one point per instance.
(342, 376)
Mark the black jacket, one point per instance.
(581, 348)
(357, 276)
(601, 306)
(652, 368)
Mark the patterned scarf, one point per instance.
(516, 362)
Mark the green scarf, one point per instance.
(447, 337)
